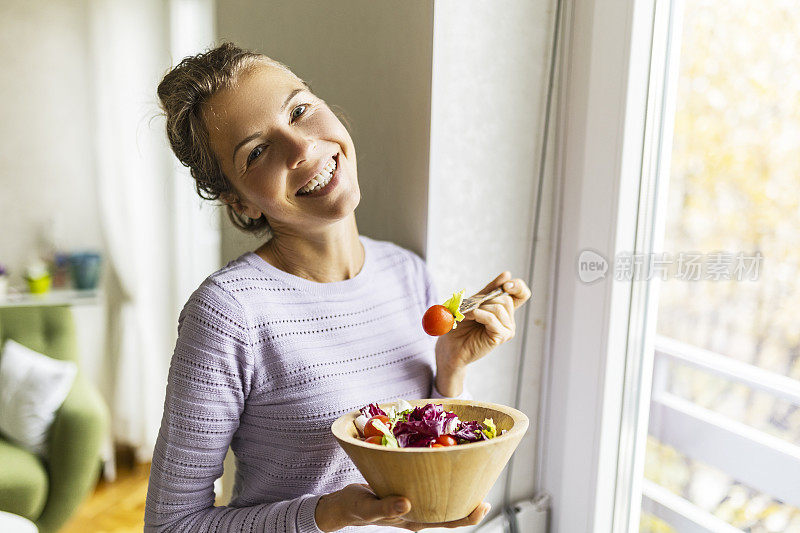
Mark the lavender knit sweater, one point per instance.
(265, 361)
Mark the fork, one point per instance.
(473, 302)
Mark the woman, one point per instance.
(316, 322)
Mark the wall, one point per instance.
(47, 181)
(78, 123)
(490, 70)
(46, 146)
(371, 59)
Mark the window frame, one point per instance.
(615, 127)
(601, 143)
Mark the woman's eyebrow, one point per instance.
(259, 133)
(289, 98)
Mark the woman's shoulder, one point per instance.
(246, 274)
(401, 265)
(243, 268)
(221, 289)
(388, 253)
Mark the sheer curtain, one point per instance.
(150, 222)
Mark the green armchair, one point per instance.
(48, 493)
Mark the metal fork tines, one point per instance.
(473, 302)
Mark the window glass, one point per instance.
(733, 239)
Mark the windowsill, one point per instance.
(53, 297)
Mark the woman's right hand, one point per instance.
(357, 505)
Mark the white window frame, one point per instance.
(617, 107)
(605, 73)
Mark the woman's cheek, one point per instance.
(317, 125)
(264, 186)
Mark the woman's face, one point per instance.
(271, 136)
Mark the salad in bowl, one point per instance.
(428, 426)
(443, 454)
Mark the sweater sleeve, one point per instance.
(209, 381)
(431, 298)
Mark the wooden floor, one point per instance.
(116, 507)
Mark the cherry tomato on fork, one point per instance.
(437, 320)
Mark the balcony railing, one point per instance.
(750, 456)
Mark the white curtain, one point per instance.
(147, 219)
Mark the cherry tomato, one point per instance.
(445, 440)
(437, 320)
(370, 430)
(375, 439)
(434, 445)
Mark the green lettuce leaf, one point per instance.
(399, 412)
(490, 430)
(453, 304)
(388, 437)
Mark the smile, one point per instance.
(321, 179)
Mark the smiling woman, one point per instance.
(316, 322)
(277, 141)
(184, 93)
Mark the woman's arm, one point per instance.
(451, 384)
(209, 380)
(482, 330)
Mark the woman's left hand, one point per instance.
(482, 329)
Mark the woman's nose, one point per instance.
(300, 149)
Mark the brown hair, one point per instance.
(183, 92)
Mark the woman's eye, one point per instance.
(254, 154)
(295, 114)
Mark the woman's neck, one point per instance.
(335, 255)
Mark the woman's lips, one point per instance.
(328, 186)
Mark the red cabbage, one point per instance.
(407, 438)
(424, 424)
(372, 410)
(470, 432)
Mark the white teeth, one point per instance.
(321, 179)
(314, 185)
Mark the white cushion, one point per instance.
(15, 523)
(32, 388)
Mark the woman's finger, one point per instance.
(473, 518)
(502, 313)
(519, 291)
(366, 507)
(494, 329)
(506, 300)
(495, 283)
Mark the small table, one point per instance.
(17, 524)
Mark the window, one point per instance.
(670, 404)
(723, 450)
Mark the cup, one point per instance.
(85, 269)
(61, 271)
(39, 285)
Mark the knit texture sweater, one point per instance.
(265, 361)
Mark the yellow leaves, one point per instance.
(735, 186)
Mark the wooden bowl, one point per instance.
(443, 484)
